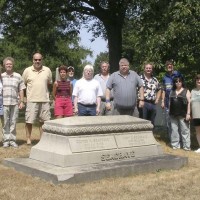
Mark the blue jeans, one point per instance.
(180, 132)
(168, 122)
(86, 110)
(149, 112)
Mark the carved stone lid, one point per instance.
(96, 125)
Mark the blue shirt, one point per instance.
(167, 82)
(73, 82)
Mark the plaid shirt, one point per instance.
(12, 85)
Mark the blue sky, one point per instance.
(97, 46)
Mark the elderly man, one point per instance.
(125, 84)
(37, 78)
(102, 78)
(13, 100)
(87, 94)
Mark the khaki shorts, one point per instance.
(40, 109)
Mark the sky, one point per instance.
(97, 46)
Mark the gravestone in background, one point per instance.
(80, 149)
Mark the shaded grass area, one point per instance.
(172, 184)
(160, 133)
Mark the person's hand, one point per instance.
(97, 111)
(21, 105)
(162, 105)
(156, 101)
(187, 118)
(141, 104)
(108, 106)
(75, 110)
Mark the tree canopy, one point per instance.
(165, 30)
(109, 18)
(55, 39)
(154, 30)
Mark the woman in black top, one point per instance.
(179, 110)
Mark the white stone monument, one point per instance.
(79, 149)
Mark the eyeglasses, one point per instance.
(178, 81)
(37, 59)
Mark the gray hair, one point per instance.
(8, 58)
(88, 67)
(123, 61)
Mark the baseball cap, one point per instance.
(70, 67)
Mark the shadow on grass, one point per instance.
(22, 142)
(161, 134)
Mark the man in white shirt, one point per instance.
(87, 94)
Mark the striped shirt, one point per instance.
(12, 85)
(63, 88)
(124, 89)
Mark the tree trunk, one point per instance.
(114, 34)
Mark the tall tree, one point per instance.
(108, 15)
(22, 38)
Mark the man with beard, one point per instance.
(37, 79)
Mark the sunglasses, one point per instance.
(37, 59)
(197, 79)
(178, 81)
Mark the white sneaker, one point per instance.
(186, 149)
(198, 150)
(175, 148)
(6, 144)
(14, 144)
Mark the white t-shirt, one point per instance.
(87, 91)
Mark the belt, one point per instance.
(149, 101)
(88, 105)
(104, 100)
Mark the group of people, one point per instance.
(181, 107)
(118, 93)
(36, 79)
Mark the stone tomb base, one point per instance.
(81, 149)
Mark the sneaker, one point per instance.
(175, 148)
(14, 144)
(6, 144)
(197, 151)
(186, 149)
